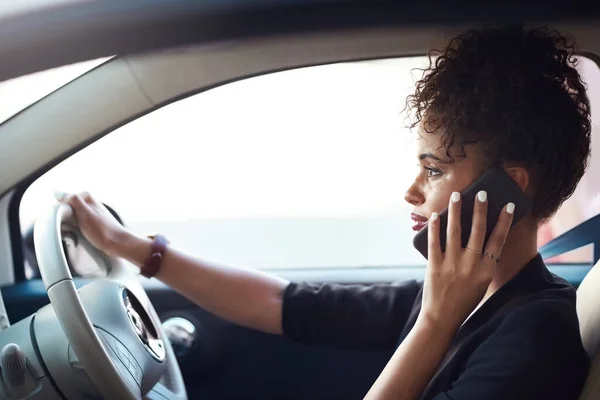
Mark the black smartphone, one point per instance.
(501, 189)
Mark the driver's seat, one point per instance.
(588, 310)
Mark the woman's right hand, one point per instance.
(97, 224)
(457, 279)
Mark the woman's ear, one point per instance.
(519, 175)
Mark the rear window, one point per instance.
(585, 202)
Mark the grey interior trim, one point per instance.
(201, 67)
(7, 275)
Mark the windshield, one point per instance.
(19, 93)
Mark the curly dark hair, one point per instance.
(517, 93)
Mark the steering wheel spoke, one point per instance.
(160, 391)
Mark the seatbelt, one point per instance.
(586, 233)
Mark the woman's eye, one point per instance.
(431, 172)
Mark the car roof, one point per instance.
(48, 33)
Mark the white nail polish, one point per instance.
(482, 196)
(434, 216)
(510, 208)
(455, 197)
(59, 195)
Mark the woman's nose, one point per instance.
(413, 195)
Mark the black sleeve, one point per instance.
(536, 353)
(348, 316)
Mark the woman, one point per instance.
(479, 327)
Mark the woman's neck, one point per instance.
(520, 248)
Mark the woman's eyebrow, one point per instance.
(429, 155)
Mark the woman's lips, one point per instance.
(419, 222)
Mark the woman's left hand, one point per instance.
(458, 279)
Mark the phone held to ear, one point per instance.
(501, 189)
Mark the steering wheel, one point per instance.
(114, 335)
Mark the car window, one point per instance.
(297, 169)
(585, 201)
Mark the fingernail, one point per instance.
(455, 197)
(510, 208)
(59, 195)
(434, 216)
(482, 196)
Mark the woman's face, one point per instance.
(438, 177)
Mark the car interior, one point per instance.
(68, 334)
